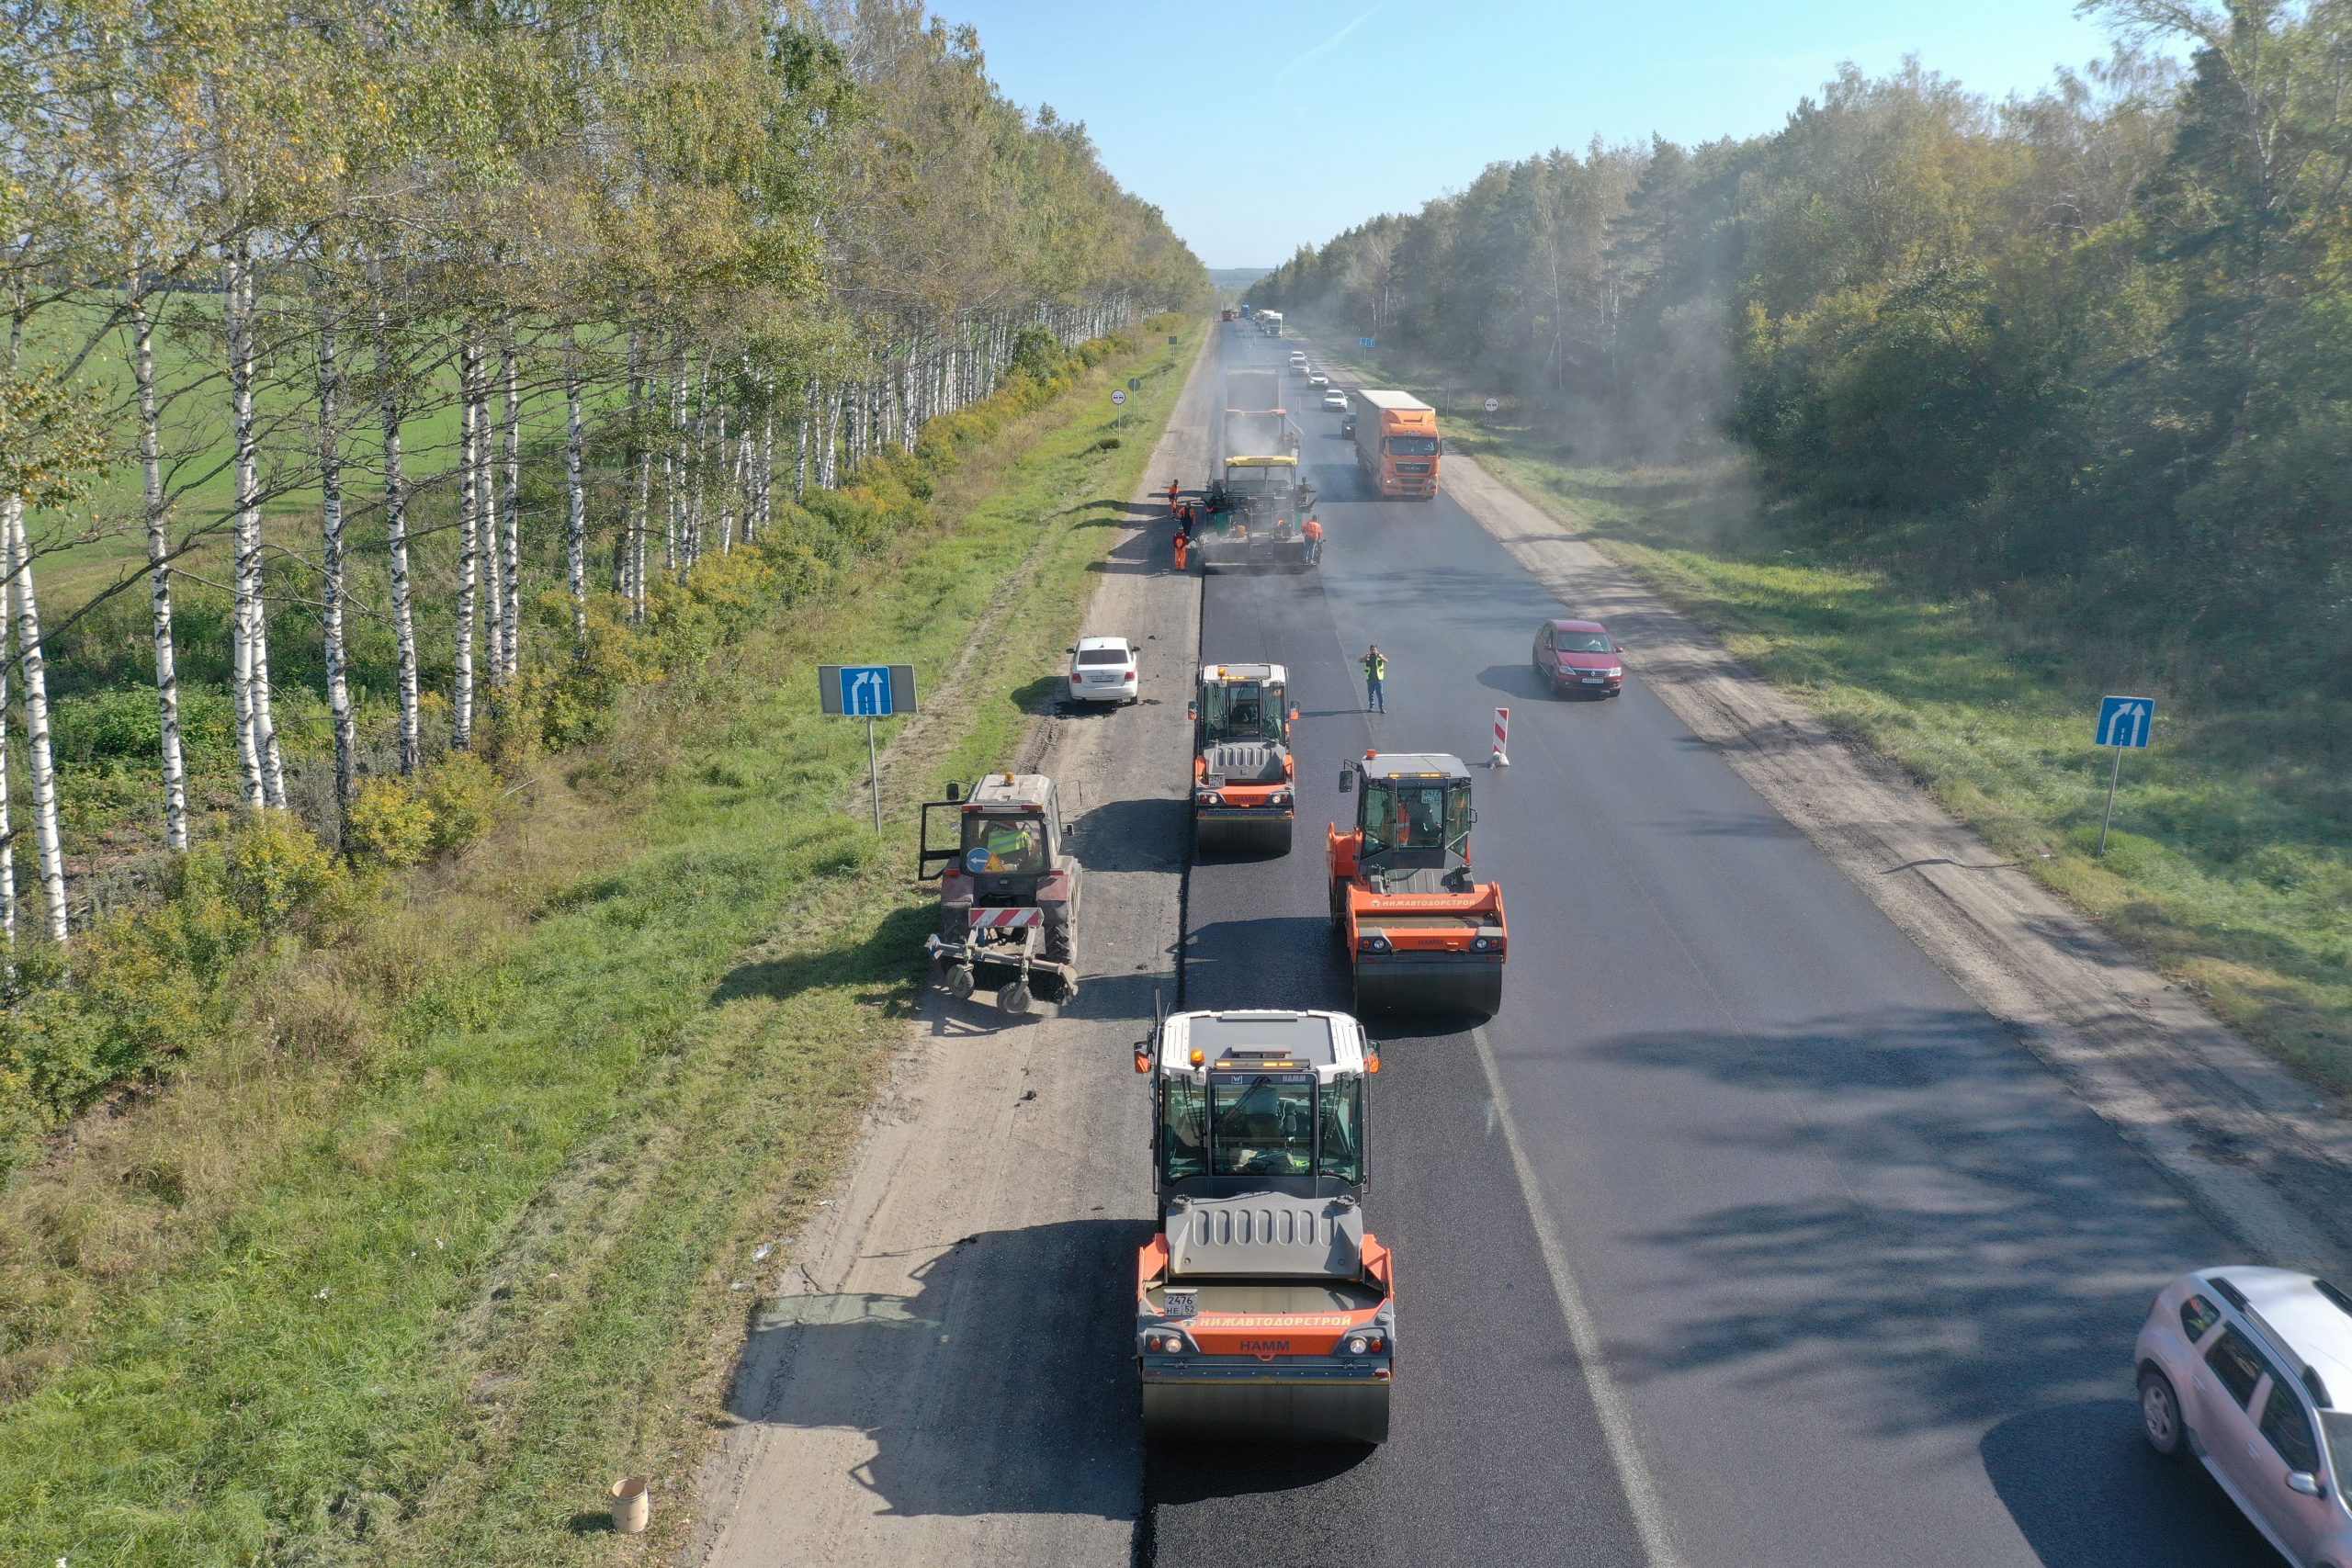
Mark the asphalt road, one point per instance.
(1864, 1276)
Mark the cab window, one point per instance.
(1003, 845)
(1183, 1129)
(2197, 1315)
(1343, 1129)
(1457, 821)
(1379, 815)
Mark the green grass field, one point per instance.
(418, 1288)
(88, 546)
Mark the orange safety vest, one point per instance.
(1181, 543)
(1313, 528)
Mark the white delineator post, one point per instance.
(1501, 758)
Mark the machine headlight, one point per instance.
(1281, 797)
(1480, 945)
(1164, 1344)
(1358, 1345)
(1211, 797)
(1373, 943)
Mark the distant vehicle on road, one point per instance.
(1335, 400)
(1318, 378)
(1579, 656)
(2250, 1370)
(1298, 359)
(1397, 443)
(1102, 669)
(1348, 428)
(1228, 316)
(1270, 322)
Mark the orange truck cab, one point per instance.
(1397, 444)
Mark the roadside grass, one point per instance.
(2230, 866)
(419, 1288)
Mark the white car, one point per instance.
(1318, 378)
(1298, 359)
(1336, 400)
(2250, 1370)
(1102, 669)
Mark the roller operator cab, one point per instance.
(1422, 933)
(1265, 1309)
(1008, 890)
(1244, 792)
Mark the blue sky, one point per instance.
(1185, 100)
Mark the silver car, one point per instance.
(2250, 1370)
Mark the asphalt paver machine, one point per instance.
(1265, 1309)
(1422, 933)
(1244, 794)
(1008, 891)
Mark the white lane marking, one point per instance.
(1642, 1495)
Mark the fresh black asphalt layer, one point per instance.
(1867, 1276)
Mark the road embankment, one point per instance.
(424, 1294)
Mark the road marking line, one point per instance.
(1642, 1495)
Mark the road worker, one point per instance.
(1375, 680)
(1171, 496)
(1183, 550)
(1314, 539)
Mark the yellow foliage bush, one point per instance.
(388, 824)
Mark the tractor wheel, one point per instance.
(1061, 942)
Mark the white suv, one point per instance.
(2251, 1370)
(1102, 669)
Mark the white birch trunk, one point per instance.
(575, 487)
(159, 571)
(461, 700)
(510, 547)
(485, 490)
(7, 830)
(396, 538)
(246, 549)
(38, 756)
(346, 734)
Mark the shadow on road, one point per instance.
(1003, 1384)
(2083, 1487)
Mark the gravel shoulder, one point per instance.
(933, 1378)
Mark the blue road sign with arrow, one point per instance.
(2126, 721)
(866, 691)
(1367, 343)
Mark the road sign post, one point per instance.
(2127, 724)
(1367, 343)
(1494, 405)
(1501, 758)
(869, 692)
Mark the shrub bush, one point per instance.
(388, 824)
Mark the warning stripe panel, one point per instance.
(1007, 919)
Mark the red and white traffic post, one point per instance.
(1501, 758)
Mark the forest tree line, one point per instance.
(2101, 333)
(380, 365)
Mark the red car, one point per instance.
(1579, 656)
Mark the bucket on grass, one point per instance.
(631, 1505)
